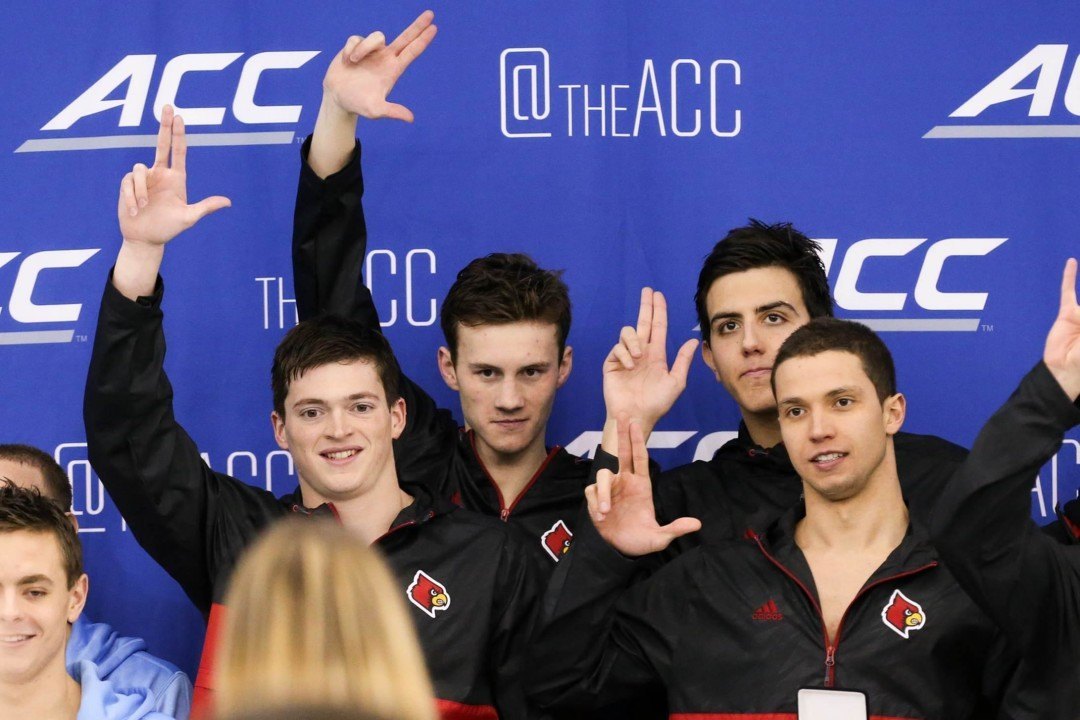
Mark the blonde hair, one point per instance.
(315, 616)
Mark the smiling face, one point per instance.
(339, 428)
(36, 605)
(835, 428)
(751, 313)
(507, 375)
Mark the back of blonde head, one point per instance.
(314, 616)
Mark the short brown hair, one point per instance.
(504, 288)
(27, 509)
(56, 480)
(329, 339)
(824, 334)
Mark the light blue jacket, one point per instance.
(120, 680)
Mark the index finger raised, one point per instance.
(164, 136)
(1068, 287)
(412, 32)
(179, 145)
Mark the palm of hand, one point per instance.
(630, 526)
(166, 213)
(645, 391)
(362, 87)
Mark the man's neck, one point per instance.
(764, 427)
(511, 472)
(369, 516)
(876, 518)
(52, 695)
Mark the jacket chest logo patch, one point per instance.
(768, 612)
(903, 615)
(428, 594)
(557, 540)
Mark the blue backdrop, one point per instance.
(934, 149)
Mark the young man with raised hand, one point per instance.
(982, 524)
(95, 648)
(757, 286)
(842, 591)
(505, 321)
(336, 410)
(42, 593)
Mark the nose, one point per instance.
(10, 607)
(510, 396)
(821, 426)
(751, 343)
(337, 424)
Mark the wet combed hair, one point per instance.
(758, 245)
(331, 339)
(504, 288)
(57, 485)
(27, 509)
(824, 334)
(316, 617)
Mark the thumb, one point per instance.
(680, 527)
(201, 209)
(681, 367)
(397, 112)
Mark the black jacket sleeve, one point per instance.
(328, 251)
(152, 469)
(598, 643)
(1026, 580)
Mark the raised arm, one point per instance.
(149, 465)
(982, 525)
(329, 232)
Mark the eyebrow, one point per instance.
(36, 580)
(722, 315)
(317, 401)
(835, 392)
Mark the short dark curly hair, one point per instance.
(56, 480)
(759, 245)
(503, 288)
(824, 334)
(27, 509)
(327, 339)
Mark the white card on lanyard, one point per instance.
(825, 704)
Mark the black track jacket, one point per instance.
(195, 523)
(1028, 582)
(329, 246)
(733, 630)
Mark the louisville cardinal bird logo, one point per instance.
(557, 540)
(428, 594)
(903, 615)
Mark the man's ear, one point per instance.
(278, 424)
(77, 598)
(565, 365)
(398, 416)
(894, 410)
(446, 368)
(73, 519)
(706, 355)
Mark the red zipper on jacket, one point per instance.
(831, 647)
(504, 511)
(408, 523)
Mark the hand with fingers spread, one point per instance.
(153, 206)
(362, 75)
(153, 209)
(621, 504)
(638, 384)
(1062, 352)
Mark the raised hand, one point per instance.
(1062, 352)
(638, 384)
(621, 505)
(153, 206)
(362, 75)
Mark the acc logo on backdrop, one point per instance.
(903, 615)
(1047, 63)
(137, 72)
(428, 594)
(28, 314)
(557, 540)
(690, 99)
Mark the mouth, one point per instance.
(340, 456)
(757, 372)
(10, 640)
(828, 460)
(509, 424)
